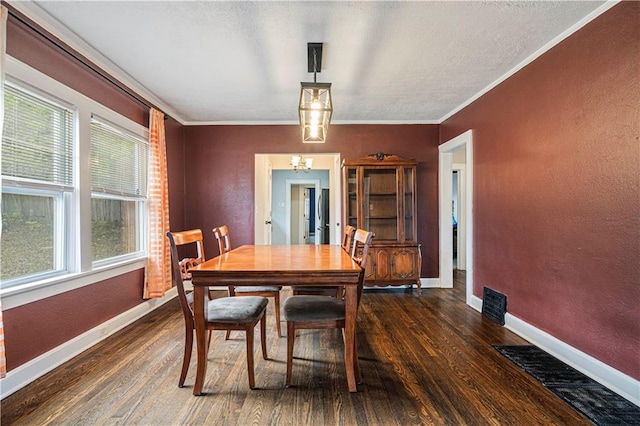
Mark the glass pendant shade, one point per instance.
(315, 111)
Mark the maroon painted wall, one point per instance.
(33, 329)
(220, 173)
(175, 138)
(556, 189)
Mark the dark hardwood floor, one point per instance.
(425, 359)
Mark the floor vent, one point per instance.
(494, 305)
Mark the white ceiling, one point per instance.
(242, 62)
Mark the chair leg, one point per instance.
(263, 336)
(276, 301)
(291, 335)
(186, 358)
(249, 332)
(231, 292)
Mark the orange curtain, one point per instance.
(158, 271)
(3, 48)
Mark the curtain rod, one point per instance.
(77, 56)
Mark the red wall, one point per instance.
(33, 329)
(220, 173)
(556, 189)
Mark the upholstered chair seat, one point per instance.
(314, 308)
(236, 309)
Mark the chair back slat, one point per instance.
(360, 254)
(360, 249)
(222, 236)
(347, 238)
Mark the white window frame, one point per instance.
(80, 269)
(61, 199)
(62, 194)
(141, 208)
(140, 200)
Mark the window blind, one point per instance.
(118, 161)
(37, 139)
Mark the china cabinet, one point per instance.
(380, 196)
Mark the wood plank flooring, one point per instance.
(425, 359)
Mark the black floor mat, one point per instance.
(593, 400)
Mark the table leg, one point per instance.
(201, 340)
(350, 354)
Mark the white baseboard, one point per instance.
(430, 282)
(23, 375)
(620, 383)
(476, 303)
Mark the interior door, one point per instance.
(263, 184)
(307, 217)
(268, 227)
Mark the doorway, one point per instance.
(267, 230)
(456, 154)
(300, 211)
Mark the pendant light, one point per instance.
(316, 105)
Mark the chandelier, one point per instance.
(300, 163)
(316, 105)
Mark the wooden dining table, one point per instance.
(288, 265)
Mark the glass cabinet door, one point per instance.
(409, 199)
(381, 202)
(352, 197)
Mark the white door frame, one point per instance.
(264, 163)
(287, 207)
(461, 248)
(445, 170)
(262, 200)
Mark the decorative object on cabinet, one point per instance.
(380, 196)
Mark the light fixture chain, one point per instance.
(315, 65)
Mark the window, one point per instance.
(74, 185)
(118, 190)
(37, 179)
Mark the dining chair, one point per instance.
(322, 312)
(225, 313)
(336, 291)
(224, 245)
